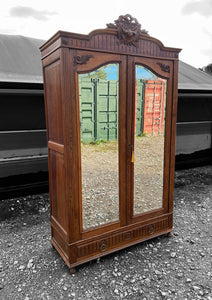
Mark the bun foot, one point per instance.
(72, 270)
(169, 234)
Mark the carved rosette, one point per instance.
(129, 30)
(103, 246)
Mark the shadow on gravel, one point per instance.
(29, 205)
(194, 176)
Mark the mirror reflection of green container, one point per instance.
(99, 104)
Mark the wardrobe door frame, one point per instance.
(154, 66)
(96, 61)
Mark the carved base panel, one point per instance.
(92, 248)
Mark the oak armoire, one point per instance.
(111, 103)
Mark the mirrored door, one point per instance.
(102, 110)
(99, 119)
(149, 133)
(148, 138)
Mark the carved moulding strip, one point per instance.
(81, 59)
(129, 30)
(108, 41)
(164, 67)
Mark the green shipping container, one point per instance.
(98, 109)
(140, 106)
(86, 95)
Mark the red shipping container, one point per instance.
(154, 106)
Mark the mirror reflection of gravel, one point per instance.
(100, 191)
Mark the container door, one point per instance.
(139, 98)
(107, 94)
(154, 109)
(98, 108)
(87, 120)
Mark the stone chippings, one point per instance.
(179, 267)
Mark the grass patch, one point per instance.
(102, 145)
(142, 134)
(98, 142)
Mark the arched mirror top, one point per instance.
(157, 69)
(124, 36)
(94, 65)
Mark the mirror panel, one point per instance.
(149, 132)
(99, 98)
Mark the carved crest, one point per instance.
(129, 29)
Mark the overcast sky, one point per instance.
(185, 24)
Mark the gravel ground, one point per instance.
(179, 267)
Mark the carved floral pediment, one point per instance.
(129, 29)
(123, 36)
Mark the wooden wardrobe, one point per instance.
(111, 103)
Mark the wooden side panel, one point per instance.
(53, 102)
(57, 187)
(54, 119)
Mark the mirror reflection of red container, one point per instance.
(152, 109)
(154, 104)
